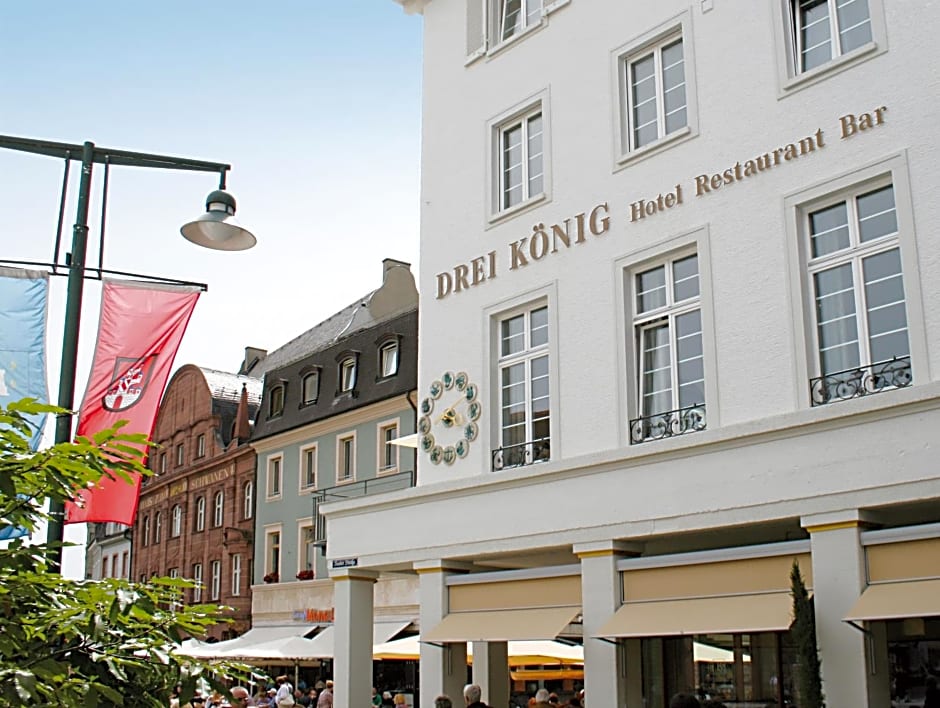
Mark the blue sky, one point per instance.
(314, 103)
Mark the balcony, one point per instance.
(362, 488)
(670, 424)
(861, 381)
(522, 454)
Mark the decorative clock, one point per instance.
(449, 418)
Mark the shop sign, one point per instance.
(314, 616)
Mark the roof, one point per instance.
(228, 387)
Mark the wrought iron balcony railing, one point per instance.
(521, 454)
(670, 424)
(861, 381)
(376, 485)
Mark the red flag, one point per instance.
(139, 332)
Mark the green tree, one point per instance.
(808, 669)
(85, 643)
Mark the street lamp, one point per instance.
(215, 229)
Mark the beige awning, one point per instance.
(729, 614)
(901, 600)
(502, 625)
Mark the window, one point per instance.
(493, 23)
(387, 452)
(175, 605)
(105, 567)
(388, 359)
(248, 509)
(346, 458)
(276, 401)
(197, 578)
(162, 462)
(236, 574)
(859, 303)
(308, 468)
(157, 526)
(516, 15)
(177, 527)
(311, 387)
(146, 534)
(272, 552)
(667, 323)
(201, 514)
(180, 457)
(525, 423)
(520, 165)
(218, 509)
(347, 374)
(126, 565)
(274, 477)
(306, 559)
(656, 87)
(201, 446)
(826, 29)
(216, 588)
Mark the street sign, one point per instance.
(344, 563)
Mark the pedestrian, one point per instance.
(684, 700)
(284, 696)
(472, 695)
(443, 702)
(376, 698)
(325, 699)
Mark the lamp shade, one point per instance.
(217, 228)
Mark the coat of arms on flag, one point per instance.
(129, 381)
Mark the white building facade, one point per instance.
(679, 330)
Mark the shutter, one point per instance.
(476, 28)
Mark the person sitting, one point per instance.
(443, 702)
(472, 695)
(541, 699)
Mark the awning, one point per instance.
(503, 625)
(253, 637)
(729, 614)
(406, 441)
(900, 600)
(522, 653)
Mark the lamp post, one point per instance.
(215, 229)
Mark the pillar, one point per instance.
(444, 667)
(839, 578)
(353, 590)
(604, 674)
(491, 671)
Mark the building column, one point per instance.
(491, 671)
(353, 590)
(839, 578)
(604, 674)
(444, 667)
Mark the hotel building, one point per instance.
(680, 330)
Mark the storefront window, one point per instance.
(913, 655)
(736, 669)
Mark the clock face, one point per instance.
(450, 415)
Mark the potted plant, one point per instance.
(305, 575)
(271, 578)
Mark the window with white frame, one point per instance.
(216, 587)
(175, 604)
(524, 396)
(276, 400)
(162, 466)
(306, 558)
(346, 457)
(180, 456)
(236, 574)
(520, 170)
(387, 451)
(248, 500)
(197, 579)
(201, 445)
(494, 23)
(274, 477)
(823, 30)
(347, 374)
(201, 514)
(272, 551)
(157, 526)
(308, 467)
(655, 95)
(516, 15)
(667, 323)
(146, 531)
(857, 282)
(218, 509)
(388, 359)
(177, 526)
(310, 387)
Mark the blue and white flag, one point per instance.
(23, 298)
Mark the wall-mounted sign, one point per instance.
(314, 615)
(344, 563)
(573, 231)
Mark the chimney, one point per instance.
(242, 425)
(389, 263)
(253, 357)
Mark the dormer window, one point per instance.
(388, 359)
(311, 387)
(347, 374)
(276, 401)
